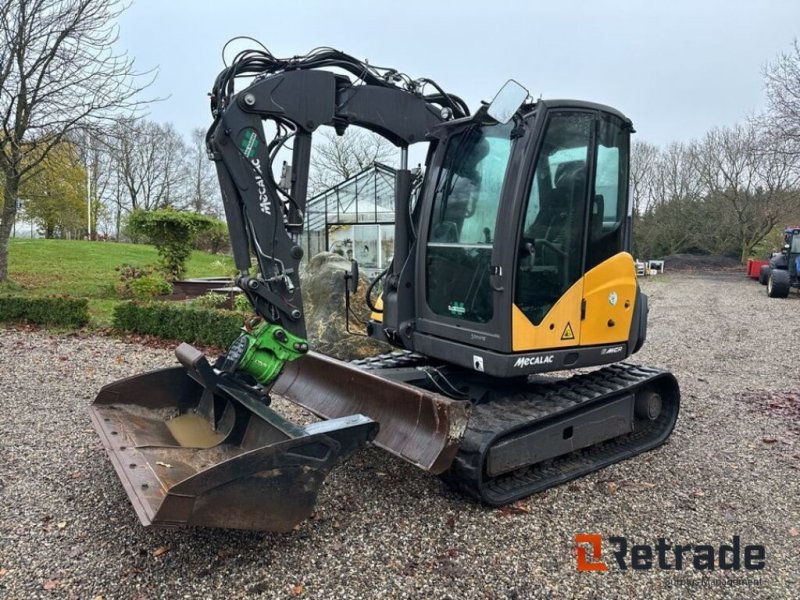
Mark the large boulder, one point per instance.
(323, 287)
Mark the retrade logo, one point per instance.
(585, 563)
(666, 556)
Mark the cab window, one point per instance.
(550, 256)
(462, 228)
(607, 209)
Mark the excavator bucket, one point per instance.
(192, 447)
(421, 427)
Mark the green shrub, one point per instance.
(216, 300)
(140, 283)
(176, 321)
(126, 275)
(66, 312)
(173, 233)
(209, 300)
(242, 304)
(150, 286)
(215, 239)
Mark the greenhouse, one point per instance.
(354, 219)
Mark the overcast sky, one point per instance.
(675, 67)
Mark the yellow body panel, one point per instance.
(562, 327)
(549, 333)
(615, 276)
(612, 280)
(376, 316)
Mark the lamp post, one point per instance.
(88, 189)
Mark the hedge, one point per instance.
(174, 321)
(172, 233)
(55, 310)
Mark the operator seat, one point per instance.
(555, 214)
(559, 219)
(596, 218)
(554, 234)
(564, 231)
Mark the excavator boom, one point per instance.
(198, 444)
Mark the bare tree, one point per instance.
(100, 176)
(751, 177)
(337, 158)
(107, 195)
(58, 72)
(782, 79)
(203, 188)
(174, 168)
(676, 177)
(670, 228)
(643, 171)
(149, 160)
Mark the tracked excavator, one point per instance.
(511, 263)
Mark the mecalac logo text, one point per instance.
(667, 556)
(614, 350)
(527, 361)
(263, 198)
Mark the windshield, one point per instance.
(468, 191)
(462, 226)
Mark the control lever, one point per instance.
(529, 246)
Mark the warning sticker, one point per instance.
(568, 333)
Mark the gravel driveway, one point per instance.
(386, 530)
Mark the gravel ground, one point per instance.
(386, 530)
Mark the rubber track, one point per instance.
(530, 406)
(391, 360)
(491, 421)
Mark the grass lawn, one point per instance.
(86, 269)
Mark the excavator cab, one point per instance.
(522, 244)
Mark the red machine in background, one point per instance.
(754, 267)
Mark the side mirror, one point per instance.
(507, 101)
(351, 278)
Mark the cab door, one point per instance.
(457, 300)
(609, 287)
(546, 312)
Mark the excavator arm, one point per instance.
(296, 96)
(198, 444)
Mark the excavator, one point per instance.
(511, 265)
